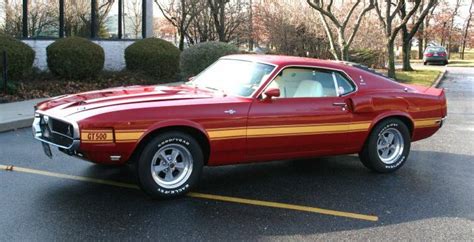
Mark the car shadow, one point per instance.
(428, 186)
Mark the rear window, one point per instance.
(435, 49)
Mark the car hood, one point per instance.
(70, 104)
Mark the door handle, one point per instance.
(342, 105)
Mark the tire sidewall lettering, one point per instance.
(183, 187)
(403, 157)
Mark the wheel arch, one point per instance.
(405, 118)
(191, 129)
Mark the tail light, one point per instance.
(428, 54)
(442, 53)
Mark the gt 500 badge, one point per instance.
(96, 136)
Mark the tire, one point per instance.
(170, 165)
(425, 63)
(445, 62)
(383, 154)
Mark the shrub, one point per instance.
(20, 57)
(155, 57)
(75, 57)
(368, 57)
(198, 57)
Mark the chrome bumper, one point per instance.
(38, 134)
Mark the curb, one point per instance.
(16, 124)
(438, 80)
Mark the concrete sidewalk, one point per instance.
(17, 114)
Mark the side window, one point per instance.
(344, 86)
(305, 82)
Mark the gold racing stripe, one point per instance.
(128, 136)
(286, 130)
(427, 123)
(296, 130)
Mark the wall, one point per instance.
(114, 53)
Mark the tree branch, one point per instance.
(318, 7)
(359, 20)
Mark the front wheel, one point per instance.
(170, 165)
(387, 146)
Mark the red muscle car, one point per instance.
(243, 108)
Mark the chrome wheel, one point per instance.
(390, 146)
(172, 166)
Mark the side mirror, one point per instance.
(271, 92)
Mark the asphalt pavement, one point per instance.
(430, 198)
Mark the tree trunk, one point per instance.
(466, 30)
(420, 40)
(391, 58)
(181, 40)
(345, 53)
(221, 29)
(406, 56)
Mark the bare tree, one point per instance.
(391, 29)
(326, 13)
(202, 27)
(180, 13)
(408, 34)
(228, 16)
(451, 26)
(466, 30)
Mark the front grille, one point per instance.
(56, 131)
(62, 127)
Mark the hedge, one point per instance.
(367, 57)
(20, 57)
(155, 57)
(75, 57)
(198, 57)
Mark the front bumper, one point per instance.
(44, 130)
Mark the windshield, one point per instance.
(235, 77)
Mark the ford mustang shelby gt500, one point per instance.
(243, 108)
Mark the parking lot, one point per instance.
(329, 198)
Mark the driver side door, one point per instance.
(309, 118)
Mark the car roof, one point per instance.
(283, 60)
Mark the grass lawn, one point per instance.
(418, 77)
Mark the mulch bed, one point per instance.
(44, 85)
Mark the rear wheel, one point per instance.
(425, 63)
(170, 165)
(387, 146)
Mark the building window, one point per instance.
(77, 18)
(97, 19)
(132, 19)
(43, 19)
(107, 19)
(11, 18)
